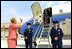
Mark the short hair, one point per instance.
(12, 20)
(28, 23)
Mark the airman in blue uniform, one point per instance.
(28, 36)
(56, 35)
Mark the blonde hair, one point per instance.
(13, 19)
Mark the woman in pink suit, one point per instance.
(12, 33)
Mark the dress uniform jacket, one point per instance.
(56, 33)
(28, 41)
(28, 33)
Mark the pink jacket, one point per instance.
(13, 30)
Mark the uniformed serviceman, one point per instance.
(28, 36)
(56, 35)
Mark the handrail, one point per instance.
(36, 32)
(49, 31)
(49, 35)
(40, 31)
